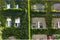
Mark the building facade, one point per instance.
(30, 19)
(45, 20)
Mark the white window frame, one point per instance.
(33, 24)
(39, 24)
(9, 22)
(58, 24)
(17, 6)
(17, 21)
(8, 6)
(38, 7)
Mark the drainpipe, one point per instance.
(29, 27)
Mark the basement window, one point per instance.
(56, 22)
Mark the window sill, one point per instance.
(39, 10)
(13, 9)
(55, 10)
(55, 28)
(38, 28)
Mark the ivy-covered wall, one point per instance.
(20, 32)
(48, 15)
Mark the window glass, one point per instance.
(38, 7)
(41, 25)
(56, 22)
(56, 6)
(17, 22)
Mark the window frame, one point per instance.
(18, 23)
(8, 22)
(8, 6)
(35, 6)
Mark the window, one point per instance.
(34, 25)
(34, 7)
(38, 23)
(56, 25)
(17, 22)
(56, 6)
(8, 6)
(17, 6)
(38, 7)
(56, 22)
(8, 22)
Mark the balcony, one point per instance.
(9, 22)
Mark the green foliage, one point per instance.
(12, 2)
(20, 32)
(48, 18)
(37, 14)
(45, 31)
(16, 32)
